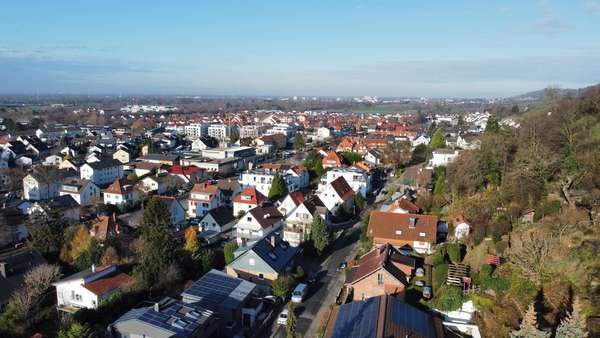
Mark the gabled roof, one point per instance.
(395, 226)
(297, 197)
(222, 215)
(256, 197)
(205, 188)
(216, 289)
(104, 163)
(332, 156)
(278, 257)
(120, 187)
(342, 189)
(106, 284)
(184, 170)
(375, 260)
(405, 204)
(266, 215)
(104, 227)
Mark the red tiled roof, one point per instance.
(332, 156)
(107, 284)
(206, 188)
(297, 197)
(405, 204)
(266, 215)
(375, 260)
(118, 186)
(256, 196)
(342, 188)
(182, 170)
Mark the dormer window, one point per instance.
(422, 234)
(398, 232)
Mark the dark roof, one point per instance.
(376, 259)
(278, 257)
(105, 163)
(382, 316)
(63, 202)
(222, 215)
(17, 264)
(159, 157)
(266, 214)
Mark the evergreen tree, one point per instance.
(156, 213)
(229, 251)
(205, 258)
(290, 325)
(91, 255)
(492, 125)
(191, 240)
(77, 330)
(529, 326)
(46, 231)
(438, 139)
(278, 188)
(359, 201)
(319, 233)
(573, 325)
(299, 142)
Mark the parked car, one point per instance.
(272, 299)
(299, 293)
(283, 316)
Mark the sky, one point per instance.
(306, 48)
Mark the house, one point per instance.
(187, 174)
(203, 197)
(203, 143)
(337, 193)
(290, 202)
(120, 193)
(468, 141)
(359, 180)
(381, 271)
(382, 317)
(218, 220)
(257, 222)
(230, 188)
(261, 179)
(44, 183)
(417, 231)
(420, 140)
(105, 227)
(71, 164)
(264, 260)
(142, 168)
(103, 172)
(12, 226)
(247, 199)
(175, 208)
(122, 156)
(14, 264)
(69, 208)
(297, 223)
(299, 176)
(52, 161)
(375, 156)
(165, 319)
(160, 159)
(87, 288)
(332, 160)
(417, 177)
(402, 206)
(443, 157)
(158, 184)
(278, 141)
(233, 302)
(82, 191)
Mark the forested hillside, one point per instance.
(549, 168)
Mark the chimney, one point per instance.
(93, 268)
(157, 307)
(265, 216)
(273, 240)
(3, 269)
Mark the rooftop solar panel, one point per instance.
(412, 318)
(357, 319)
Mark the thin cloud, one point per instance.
(550, 22)
(592, 7)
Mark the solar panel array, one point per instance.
(412, 318)
(357, 319)
(213, 288)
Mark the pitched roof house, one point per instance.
(381, 271)
(417, 231)
(337, 193)
(332, 160)
(105, 227)
(203, 197)
(257, 222)
(247, 199)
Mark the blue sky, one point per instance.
(312, 47)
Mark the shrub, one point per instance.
(454, 251)
(282, 286)
(439, 255)
(439, 275)
(448, 298)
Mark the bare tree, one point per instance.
(36, 283)
(530, 251)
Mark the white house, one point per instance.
(86, 289)
(422, 139)
(336, 194)
(103, 172)
(443, 157)
(247, 199)
(203, 197)
(299, 177)
(52, 161)
(358, 179)
(262, 179)
(461, 228)
(257, 222)
(158, 184)
(175, 208)
(120, 192)
(82, 191)
(198, 144)
(374, 156)
(44, 183)
(323, 133)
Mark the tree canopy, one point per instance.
(278, 188)
(320, 234)
(438, 139)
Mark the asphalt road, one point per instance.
(323, 293)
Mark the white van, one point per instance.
(299, 293)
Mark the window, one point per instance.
(248, 219)
(398, 232)
(251, 261)
(380, 278)
(261, 276)
(422, 234)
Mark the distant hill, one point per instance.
(539, 95)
